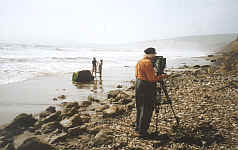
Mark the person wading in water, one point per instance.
(100, 68)
(94, 69)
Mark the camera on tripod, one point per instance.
(159, 63)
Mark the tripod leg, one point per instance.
(168, 99)
(156, 111)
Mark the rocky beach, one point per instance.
(204, 98)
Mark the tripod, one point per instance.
(159, 102)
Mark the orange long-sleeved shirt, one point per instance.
(145, 70)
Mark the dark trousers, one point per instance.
(145, 96)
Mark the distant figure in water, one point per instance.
(94, 69)
(100, 68)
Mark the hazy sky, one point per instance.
(114, 21)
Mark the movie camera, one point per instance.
(159, 63)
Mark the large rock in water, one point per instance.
(82, 76)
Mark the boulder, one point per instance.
(101, 108)
(119, 86)
(52, 117)
(50, 127)
(85, 118)
(57, 138)
(77, 130)
(22, 121)
(82, 76)
(123, 98)
(85, 103)
(51, 109)
(112, 111)
(104, 136)
(70, 104)
(8, 146)
(34, 143)
(69, 110)
(96, 117)
(47, 112)
(73, 121)
(130, 105)
(84, 139)
(113, 93)
(95, 130)
(196, 66)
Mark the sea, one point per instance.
(20, 62)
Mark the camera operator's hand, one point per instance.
(162, 76)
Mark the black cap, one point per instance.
(150, 50)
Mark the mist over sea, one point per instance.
(19, 62)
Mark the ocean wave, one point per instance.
(42, 46)
(41, 59)
(10, 60)
(69, 58)
(67, 49)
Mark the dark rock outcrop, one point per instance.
(34, 143)
(82, 76)
(19, 124)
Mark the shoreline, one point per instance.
(33, 96)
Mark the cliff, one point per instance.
(228, 61)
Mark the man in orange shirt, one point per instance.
(146, 79)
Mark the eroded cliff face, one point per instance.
(229, 60)
(235, 45)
